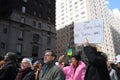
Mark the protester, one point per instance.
(37, 66)
(60, 62)
(112, 72)
(9, 69)
(118, 66)
(76, 70)
(26, 72)
(118, 70)
(50, 71)
(2, 62)
(97, 68)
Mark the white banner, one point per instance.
(92, 30)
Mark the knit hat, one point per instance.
(12, 56)
(28, 61)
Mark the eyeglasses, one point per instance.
(47, 55)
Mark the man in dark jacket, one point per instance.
(9, 69)
(50, 71)
(97, 68)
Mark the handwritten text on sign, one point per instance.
(92, 30)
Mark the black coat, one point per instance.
(118, 73)
(97, 68)
(9, 71)
(29, 76)
(26, 74)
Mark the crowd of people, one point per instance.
(98, 67)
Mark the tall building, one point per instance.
(115, 26)
(65, 41)
(69, 11)
(27, 27)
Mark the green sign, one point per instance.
(69, 52)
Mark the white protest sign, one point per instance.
(92, 30)
(118, 58)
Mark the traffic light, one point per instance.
(69, 52)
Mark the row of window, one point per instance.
(19, 45)
(20, 35)
(34, 23)
(35, 12)
(34, 50)
(35, 36)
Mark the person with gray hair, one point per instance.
(26, 72)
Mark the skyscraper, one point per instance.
(69, 11)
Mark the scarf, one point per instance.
(22, 72)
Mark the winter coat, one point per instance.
(75, 74)
(118, 73)
(97, 68)
(26, 74)
(29, 76)
(9, 71)
(52, 72)
(113, 74)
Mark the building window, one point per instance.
(76, 3)
(82, 13)
(20, 35)
(36, 38)
(22, 20)
(2, 45)
(35, 3)
(25, 1)
(35, 13)
(81, 4)
(49, 11)
(34, 23)
(70, 5)
(5, 30)
(49, 1)
(40, 4)
(40, 15)
(77, 15)
(48, 19)
(39, 25)
(19, 48)
(23, 9)
(49, 28)
(35, 51)
(48, 40)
